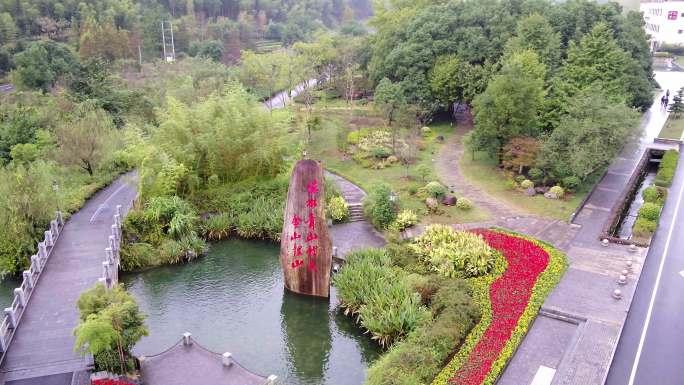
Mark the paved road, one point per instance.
(651, 348)
(43, 344)
(281, 99)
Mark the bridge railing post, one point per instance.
(42, 250)
(11, 318)
(115, 246)
(116, 233)
(35, 264)
(28, 277)
(3, 342)
(59, 218)
(54, 228)
(49, 241)
(19, 295)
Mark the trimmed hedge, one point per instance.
(667, 168)
(546, 282)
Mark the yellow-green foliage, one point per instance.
(339, 210)
(454, 253)
(405, 219)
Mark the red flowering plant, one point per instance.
(510, 300)
(108, 381)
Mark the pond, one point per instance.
(233, 300)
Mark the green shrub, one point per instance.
(653, 195)
(379, 207)
(536, 175)
(435, 189)
(527, 184)
(363, 101)
(423, 171)
(519, 178)
(454, 253)
(339, 210)
(419, 358)
(511, 184)
(464, 204)
(425, 131)
(378, 296)
(401, 254)
(571, 183)
(355, 136)
(557, 191)
(381, 152)
(405, 219)
(644, 228)
(413, 189)
(650, 211)
(667, 168)
(217, 227)
(136, 256)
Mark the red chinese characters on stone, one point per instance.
(311, 236)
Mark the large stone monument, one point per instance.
(305, 247)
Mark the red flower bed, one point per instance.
(110, 382)
(509, 295)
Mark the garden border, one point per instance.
(545, 283)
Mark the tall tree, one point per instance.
(43, 63)
(588, 137)
(511, 104)
(535, 33)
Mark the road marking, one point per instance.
(632, 376)
(544, 376)
(104, 204)
(681, 273)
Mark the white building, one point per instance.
(664, 21)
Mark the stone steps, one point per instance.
(355, 212)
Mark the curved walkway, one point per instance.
(352, 236)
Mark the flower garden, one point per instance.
(476, 293)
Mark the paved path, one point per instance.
(44, 341)
(281, 99)
(6, 88)
(352, 236)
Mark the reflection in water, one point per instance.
(308, 343)
(233, 300)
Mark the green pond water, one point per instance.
(233, 300)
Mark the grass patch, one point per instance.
(484, 173)
(673, 129)
(324, 148)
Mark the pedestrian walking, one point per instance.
(667, 94)
(662, 101)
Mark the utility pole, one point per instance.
(173, 46)
(163, 40)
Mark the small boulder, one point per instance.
(449, 200)
(432, 204)
(440, 138)
(530, 192)
(550, 195)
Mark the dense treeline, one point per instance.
(533, 72)
(114, 29)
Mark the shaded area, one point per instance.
(232, 300)
(629, 217)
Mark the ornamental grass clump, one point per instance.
(216, 227)
(379, 297)
(454, 253)
(405, 219)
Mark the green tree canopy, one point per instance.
(588, 137)
(510, 105)
(43, 63)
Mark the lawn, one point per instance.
(484, 173)
(324, 148)
(673, 129)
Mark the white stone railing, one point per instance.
(110, 266)
(22, 294)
